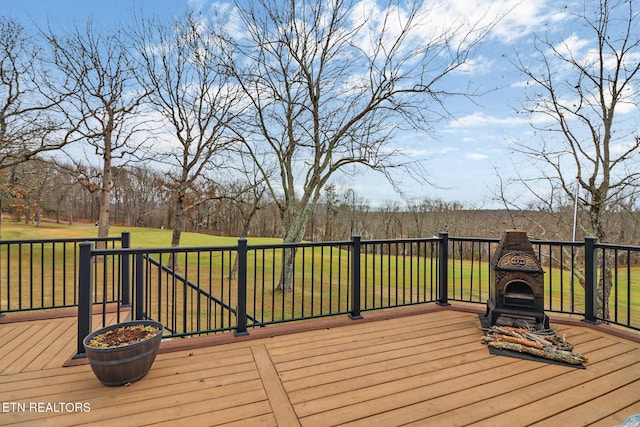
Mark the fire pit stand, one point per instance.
(517, 285)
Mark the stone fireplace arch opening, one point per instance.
(519, 293)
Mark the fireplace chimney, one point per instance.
(517, 285)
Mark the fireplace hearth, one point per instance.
(517, 286)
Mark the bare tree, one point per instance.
(194, 100)
(63, 187)
(344, 209)
(584, 94)
(104, 98)
(246, 199)
(28, 123)
(247, 195)
(329, 84)
(142, 196)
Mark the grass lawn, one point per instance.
(321, 284)
(140, 236)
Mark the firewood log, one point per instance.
(547, 353)
(523, 341)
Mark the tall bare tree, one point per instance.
(584, 98)
(28, 121)
(141, 195)
(104, 99)
(329, 84)
(182, 73)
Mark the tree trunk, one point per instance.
(605, 282)
(38, 217)
(605, 285)
(105, 192)
(286, 276)
(233, 274)
(178, 225)
(178, 221)
(294, 231)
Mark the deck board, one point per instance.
(282, 409)
(426, 368)
(56, 353)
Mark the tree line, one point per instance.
(51, 192)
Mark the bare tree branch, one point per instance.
(181, 71)
(29, 123)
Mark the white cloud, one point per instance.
(479, 119)
(423, 153)
(478, 65)
(620, 148)
(508, 20)
(476, 156)
(571, 46)
(196, 4)
(513, 19)
(521, 84)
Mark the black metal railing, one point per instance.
(196, 291)
(316, 284)
(622, 305)
(43, 274)
(395, 273)
(189, 290)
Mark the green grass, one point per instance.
(387, 280)
(140, 236)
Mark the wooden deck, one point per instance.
(422, 366)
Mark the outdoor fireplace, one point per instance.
(517, 285)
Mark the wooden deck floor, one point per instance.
(424, 368)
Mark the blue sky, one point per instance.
(463, 154)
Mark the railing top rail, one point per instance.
(475, 239)
(183, 249)
(401, 240)
(339, 243)
(62, 240)
(533, 241)
(298, 244)
(497, 240)
(280, 245)
(616, 246)
(557, 242)
(177, 249)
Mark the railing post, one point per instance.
(443, 270)
(590, 279)
(355, 278)
(139, 284)
(125, 272)
(241, 310)
(85, 294)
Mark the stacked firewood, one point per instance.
(541, 343)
